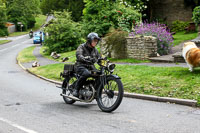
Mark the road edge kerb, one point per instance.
(187, 102)
(52, 81)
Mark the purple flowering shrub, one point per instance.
(164, 37)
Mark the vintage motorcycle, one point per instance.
(103, 86)
(31, 35)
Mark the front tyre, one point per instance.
(66, 84)
(110, 95)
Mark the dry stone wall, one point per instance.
(141, 47)
(137, 47)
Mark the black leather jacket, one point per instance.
(84, 51)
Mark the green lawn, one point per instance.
(26, 55)
(4, 41)
(181, 37)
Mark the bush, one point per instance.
(179, 26)
(127, 18)
(3, 31)
(116, 43)
(164, 38)
(64, 34)
(196, 15)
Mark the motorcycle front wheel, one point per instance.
(110, 95)
(66, 84)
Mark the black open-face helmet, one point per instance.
(91, 36)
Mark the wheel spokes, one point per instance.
(108, 94)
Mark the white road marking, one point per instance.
(14, 45)
(17, 126)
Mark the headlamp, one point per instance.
(111, 67)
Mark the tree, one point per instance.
(74, 6)
(3, 16)
(23, 11)
(24, 6)
(48, 6)
(101, 15)
(3, 19)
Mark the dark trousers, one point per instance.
(84, 73)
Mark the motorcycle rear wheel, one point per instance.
(109, 97)
(66, 83)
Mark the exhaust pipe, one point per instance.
(59, 87)
(71, 97)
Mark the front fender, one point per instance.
(115, 76)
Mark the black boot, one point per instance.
(78, 85)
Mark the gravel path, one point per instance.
(42, 60)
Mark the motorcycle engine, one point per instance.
(87, 92)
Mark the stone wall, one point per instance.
(138, 47)
(141, 47)
(171, 10)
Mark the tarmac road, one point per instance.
(31, 105)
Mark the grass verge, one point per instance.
(18, 33)
(26, 55)
(49, 71)
(4, 41)
(174, 82)
(180, 37)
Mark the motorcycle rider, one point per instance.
(31, 34)
(86, 56)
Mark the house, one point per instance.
(11, 27)
(170, 10)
